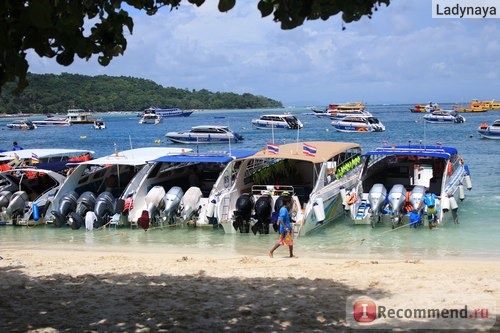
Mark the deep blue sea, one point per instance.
(476, 236)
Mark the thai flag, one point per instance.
(439, 144)
(273, 148)
(34, 158)
(308, 150)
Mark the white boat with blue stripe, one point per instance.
(277, 121)
(205, 134)
(409, 185)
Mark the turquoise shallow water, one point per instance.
(475, 237)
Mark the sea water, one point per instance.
(476, 235)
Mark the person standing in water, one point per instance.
(285, 227)
(15, 146)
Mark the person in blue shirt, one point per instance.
(430, 201)
(15, 146)
(285, 227)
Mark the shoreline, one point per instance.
(49, 290)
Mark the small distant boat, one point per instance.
(277, 121)
(205, 134)
(475, 106)
(150, 118)
(99, 124)
(79, 116)
(52, 121)
(21, 125)
(490, 131)
(424, 108)
(444, 117)
(169, 112)
(358, 124)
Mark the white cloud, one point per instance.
(400, 55)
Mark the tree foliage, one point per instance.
(51, 93)
(55, 28)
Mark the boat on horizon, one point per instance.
(166, 112)
(52, 121)
(248, 193)
(277, 121)
(150, 118)
(425, 108)
(21, 125)
(205, 134)
(394, 181)
(444, 117)
(79, 117)
(361, 124)
(491, 131)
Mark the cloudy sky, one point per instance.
(401, 55)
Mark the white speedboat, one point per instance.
(52, 121)
(491, 131)
(25, 194)
(99, 124)
(248, 192)
(94, 186)
(358, 124)
(444, 117)
(395, 179)
(277, 121)
(150, 118)
(205, 134)
(21, 124)
(173, 189)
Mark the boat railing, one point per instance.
(272, 189)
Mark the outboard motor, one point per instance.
(417, 196)
(154, 200)
(85, 203)
(189, 205)
(5, 198)
(16, 205)
(397, 198)
(263, 210)
(377, 198)
(243, 212)
(67, 204)
(104, 207)
(172, 200)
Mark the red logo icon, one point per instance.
(364, 310)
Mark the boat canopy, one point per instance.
(42, 153)
(136, 156)
(427, 151)
(325, 150)
(215, 157)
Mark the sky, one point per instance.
(400, 55)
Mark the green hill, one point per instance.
(51, 93)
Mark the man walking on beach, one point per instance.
(285, 227)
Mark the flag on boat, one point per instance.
(308, 150)
(34, 158)
(439, 144)
(273, 148)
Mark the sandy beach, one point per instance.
(94, 291)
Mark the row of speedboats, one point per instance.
(240, 190)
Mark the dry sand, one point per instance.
(90, 291)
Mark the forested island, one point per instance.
(56, 93)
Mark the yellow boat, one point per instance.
(474, 106)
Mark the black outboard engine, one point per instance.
(243, 212)
(16, 205)
(5, 198)
(263, 210)
(85, 203)
(104, 208)
(67, 204)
